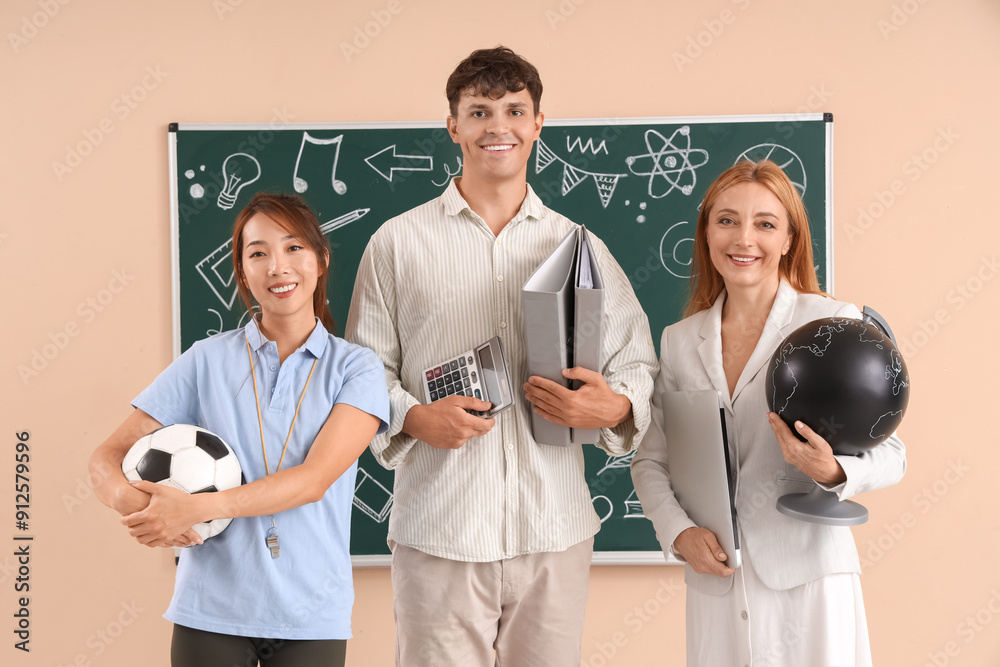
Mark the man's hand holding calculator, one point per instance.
(446, 423)
(455, 391)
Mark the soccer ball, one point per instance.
(188, 458)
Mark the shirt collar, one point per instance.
(454, 203)
(315, 344)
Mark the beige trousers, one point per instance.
(525, 611)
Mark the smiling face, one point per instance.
(748, 232)
(279, 269)
(496, 136)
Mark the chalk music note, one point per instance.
(300, 184)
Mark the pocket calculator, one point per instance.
(481, 373)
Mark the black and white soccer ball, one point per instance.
(188, 458)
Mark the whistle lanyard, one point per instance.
(271, 540)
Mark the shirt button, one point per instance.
(743, 615)
(499, 279)
(510, 446)
(273, 367)
(503, 325)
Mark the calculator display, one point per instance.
(488, 370)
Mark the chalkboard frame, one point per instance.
(608, 557)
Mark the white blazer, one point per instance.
(785, 552)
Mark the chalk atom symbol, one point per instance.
(669, 166)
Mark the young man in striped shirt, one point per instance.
(491, 532)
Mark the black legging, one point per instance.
(197, 648)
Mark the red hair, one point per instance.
(796, 266)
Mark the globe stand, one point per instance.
(821, 506)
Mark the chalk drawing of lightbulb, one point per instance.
(239, 170)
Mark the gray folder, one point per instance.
(694, 427)
(562, 325)
(587, 323)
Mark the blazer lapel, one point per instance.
(710, 349)
(774, 332)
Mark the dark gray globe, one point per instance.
(842, 377)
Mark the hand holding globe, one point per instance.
(844, 379)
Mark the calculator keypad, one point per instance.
(454, 378)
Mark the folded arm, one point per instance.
(110, 484)
(170, 512)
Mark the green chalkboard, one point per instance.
(635, 182)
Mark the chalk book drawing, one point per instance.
(371, 497)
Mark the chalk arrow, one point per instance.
(384, 163)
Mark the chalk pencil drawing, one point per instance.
(573, 176)
(786, 158)
(238, 171)
(676, 249)
(217, 268)
(342, 220)
(671, 164)
(371, 497)
(387, 162)
(301, 184)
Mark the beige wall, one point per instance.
(906, 80)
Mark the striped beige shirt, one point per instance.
(433, 283)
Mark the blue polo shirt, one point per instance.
(230, 584)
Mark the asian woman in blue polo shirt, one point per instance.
(298, 406)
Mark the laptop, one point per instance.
(694, 424)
